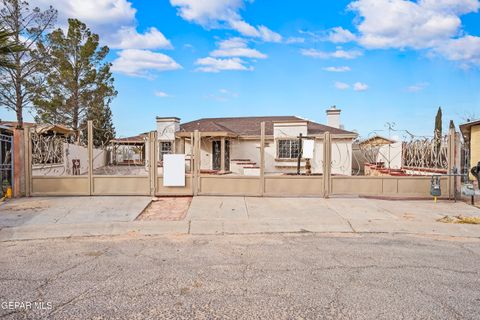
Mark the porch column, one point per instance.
(222, 155)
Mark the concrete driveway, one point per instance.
(70, 210)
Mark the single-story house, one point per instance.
(232, 145)
(471, 136)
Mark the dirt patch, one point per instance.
(168, 209)
(460, 219)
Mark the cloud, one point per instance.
(340, 35)
(295, 40)
(141, 63)
(236, 47)
(161, 94)
(129, 38)
(359, 86)
(339, 54)
(222, 14)
(432, 25)
(223, 95)
(465, 50)
(215, 65)
(342, 85)
(113, 20)
(337, 69)
(417, 87)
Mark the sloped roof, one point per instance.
(250, 126)
(377, 140)
(131, 140)
(40, 127)
(465, 127)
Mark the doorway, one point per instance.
(217, 155)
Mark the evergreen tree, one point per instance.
(79, 83)
(7, 47)
(438, 131)
(21, 76)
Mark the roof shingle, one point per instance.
(250, 126)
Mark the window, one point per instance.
(165, 148)
(287, 149)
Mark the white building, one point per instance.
(232, 145)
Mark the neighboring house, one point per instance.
(232, 145)
(376, 150)
(471, 136)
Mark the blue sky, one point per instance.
(378, 60)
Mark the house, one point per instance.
(232, 145)
(471, 136)
(376, 151)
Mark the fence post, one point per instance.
(28, 160)
(192, 165)
(18, 161)
(327, 164)
(451, 161)
(90, 155)
(152, 151)
(262, 159)
(196, 162)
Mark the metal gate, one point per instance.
(6, 159)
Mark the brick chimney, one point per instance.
(333, 117)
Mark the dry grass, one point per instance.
(460, 219)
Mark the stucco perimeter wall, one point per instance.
(414, 186)
(229, 185)
(66, 186)
(174, 191)
(294, 186)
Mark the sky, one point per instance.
(379, 61)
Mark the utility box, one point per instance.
(435, 189)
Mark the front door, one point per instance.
(217, 155)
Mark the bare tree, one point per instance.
(27, 26)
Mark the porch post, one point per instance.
(327, 162)
(262, 159)
(90, 155)
(222, 154)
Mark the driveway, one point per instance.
(70, 210)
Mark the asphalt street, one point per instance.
(274, 276)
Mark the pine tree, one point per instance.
(79, 83)
(20, 79)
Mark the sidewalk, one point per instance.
(237, 215)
